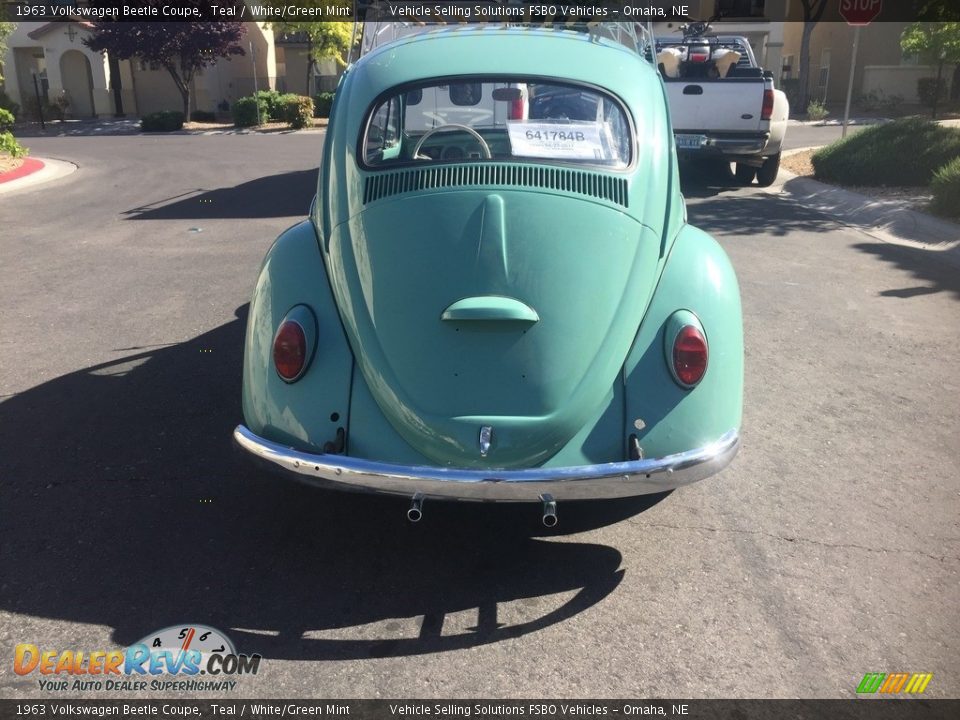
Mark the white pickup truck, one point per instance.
(723, 105)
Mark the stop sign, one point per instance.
(860, 12)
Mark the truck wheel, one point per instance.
(767, 173)
(745, 173)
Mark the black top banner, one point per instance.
(458, 11)
(540, 709)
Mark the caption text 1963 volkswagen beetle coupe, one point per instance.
(496, 295)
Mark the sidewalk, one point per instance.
(131, 126)
(34, 172)
(889, 220)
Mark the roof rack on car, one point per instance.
(377, 30)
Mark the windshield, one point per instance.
(471, 119)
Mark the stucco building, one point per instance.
(882, 68)
(55, 55)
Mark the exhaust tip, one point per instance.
(415, 513)
(549, 510)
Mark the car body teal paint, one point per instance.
(561, 293)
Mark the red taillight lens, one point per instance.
(767, 111)
(290, 350)
(517, 108)
(689, 355)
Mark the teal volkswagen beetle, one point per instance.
(496, 295)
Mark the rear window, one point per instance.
(466, 120)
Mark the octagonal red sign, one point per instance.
(860, 12)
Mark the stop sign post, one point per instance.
(857, 13)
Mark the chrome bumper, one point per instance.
(585, 482)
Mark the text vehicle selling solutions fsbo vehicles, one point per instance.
(497, 295)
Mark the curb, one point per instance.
(30, 166)
(49, 169)
(890, 221)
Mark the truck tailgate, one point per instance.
(728, 105)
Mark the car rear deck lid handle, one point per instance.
(490, 308)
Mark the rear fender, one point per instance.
(665, 417)
(308, 412)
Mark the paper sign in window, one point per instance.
(562, 141)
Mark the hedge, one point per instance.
(296, 110)
(203, 116)
(6, 120)
(904, 152)
(946, 189)
(322, 103)
(245, 111)
(9, 145)
(163, 121)
(7, 104)
(271, 99)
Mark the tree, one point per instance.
(935, 43)
(5, 29)
(325, 40)
(812, 12)
(180, 48)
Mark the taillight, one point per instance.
(517, 109)
(689, 355)
(767, 111)
(290, 350)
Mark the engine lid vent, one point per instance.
(582, 182)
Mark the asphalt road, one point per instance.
(830, 547)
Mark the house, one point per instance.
(54, 54)
(293, 56)
(881, 67)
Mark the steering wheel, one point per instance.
(485, 149)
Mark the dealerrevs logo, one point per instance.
(183, 652)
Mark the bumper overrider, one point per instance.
(584, 482)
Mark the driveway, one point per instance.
(830, 547)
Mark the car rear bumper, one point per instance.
(727, 144)
(586, 482)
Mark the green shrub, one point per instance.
(816, 110)
(203, 116)
(31, 109)
(7, 104)
(297, 110)
(163, 121)
(10, 146)
(6, 120)
(61, 103)
(904, 152)
(946, 189)
(245, 111)
(322, 102)
(271, 99)
(928, 88)
(879, 100)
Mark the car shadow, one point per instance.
(124, 504)
(706, 178)
(281, 195)
(758, 214)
